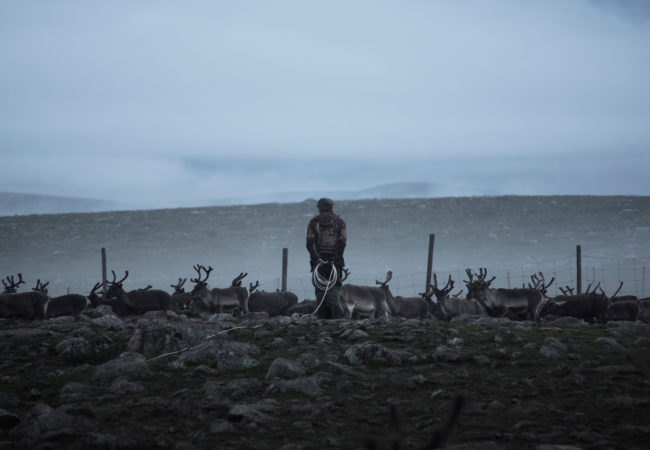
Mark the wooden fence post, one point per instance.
(285, 263)
(579, 270)
(432, 238)
(508, 278)
(103, 270)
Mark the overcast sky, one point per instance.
(153, 100)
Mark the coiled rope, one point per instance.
(322, 283)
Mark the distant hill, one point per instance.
(387, 191)
(14, 203)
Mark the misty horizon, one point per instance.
(168, 102)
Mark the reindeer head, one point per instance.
(199, 283)
(178, 287)
(93, 298)
(538, 283)
(444, 292)
(115, 287)
(476, 287)
(383, 285)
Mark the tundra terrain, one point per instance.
(164, 380)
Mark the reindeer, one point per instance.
(447, 307)
(589, 306)
(94, 298)
(516, 304)
(407, 307)
(273, 303)
(626, 307)
(201, 300)
(644, 310)
(137, 301)
(22, 305)
(234, 298)
(65, 305)
(180, 300)
(366, 300)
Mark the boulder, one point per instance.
(153, 336)
(129, 365)
(506, 335)
(552, 348)
(241, 387)
(260, 412)
(122, 386)
(45, 423)
(74, 350)
(74, 392)
(109, 321)
(308, 360)
(309, 386)
(284, 368)
(611, 342)
(226, 355)
(448, 353)
(370, 352)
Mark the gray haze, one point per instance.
(185, 103)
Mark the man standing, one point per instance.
(326, 239)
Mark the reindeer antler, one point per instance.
(539, 283)
(252, 286)
(40, 287)
(238, 278)
(198, 268)
(389, 276)
(593, 292)
(468, 271)
(126, 274)
(346, 272)
(483, 275)
(95, 287)
(12, 287)
(567, 290)
(178, 288)
(445, 290)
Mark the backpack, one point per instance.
(327, 233)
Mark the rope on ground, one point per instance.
(207, 337)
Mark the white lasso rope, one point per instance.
(207, 337)
(321, 283)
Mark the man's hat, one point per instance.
(325, 204)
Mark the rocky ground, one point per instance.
(169, 381)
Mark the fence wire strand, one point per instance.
(607, 271)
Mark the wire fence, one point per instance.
(608, 273)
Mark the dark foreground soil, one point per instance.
(168, 381)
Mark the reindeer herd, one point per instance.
(357, 301)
